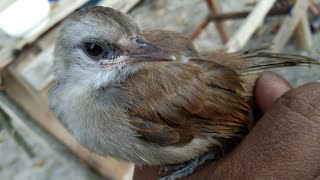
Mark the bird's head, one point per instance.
(100, 45)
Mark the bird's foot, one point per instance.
(181, 170)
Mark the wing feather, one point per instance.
(180, 101)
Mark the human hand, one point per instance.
(284, 144)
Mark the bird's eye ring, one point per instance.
(93, 49)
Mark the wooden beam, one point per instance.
(244, 14)
(200, 28)
(302, 34)
(123, 6)
(6, 122)
(290, 24)
(5, 4)
(253, 21)
(38, 72)
(63, 9)
(220, 25)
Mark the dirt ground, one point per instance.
(54, 161)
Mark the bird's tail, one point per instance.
(261, 59)
(258, 60)
(250, 63)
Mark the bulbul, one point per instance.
(149, 97)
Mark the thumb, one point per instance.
(283, 145)
(269, 87)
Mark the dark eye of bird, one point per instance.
(93, 49)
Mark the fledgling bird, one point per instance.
(149, 97)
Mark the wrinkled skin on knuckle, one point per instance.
(293, 141)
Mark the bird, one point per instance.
(148, 96)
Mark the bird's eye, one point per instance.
(93, 49)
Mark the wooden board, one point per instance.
(123, 6)
(289, 25)
(220, 25)
(5, 4)
(64, 8)
(253, 21)
(302, 34)
(39, 73)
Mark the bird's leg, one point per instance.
(181, 170)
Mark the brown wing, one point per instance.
(232, 60)
(175, 102)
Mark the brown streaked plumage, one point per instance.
(189, 101)
(149, 97)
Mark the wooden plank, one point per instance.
(6, 3)
(253, 21)
(123, 6)
(244, 14)
(289, 25)
(199, 28)
(302, 34)
(63, 9)
(39, 73)
(220, 25)
(6, 122)
(27, 68)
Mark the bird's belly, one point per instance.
(180, 154)
(113, 136)
(133, 149)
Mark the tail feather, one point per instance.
(260, 60)
(248, 64)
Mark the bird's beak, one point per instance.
(143, 51)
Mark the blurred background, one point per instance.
(34, 145)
